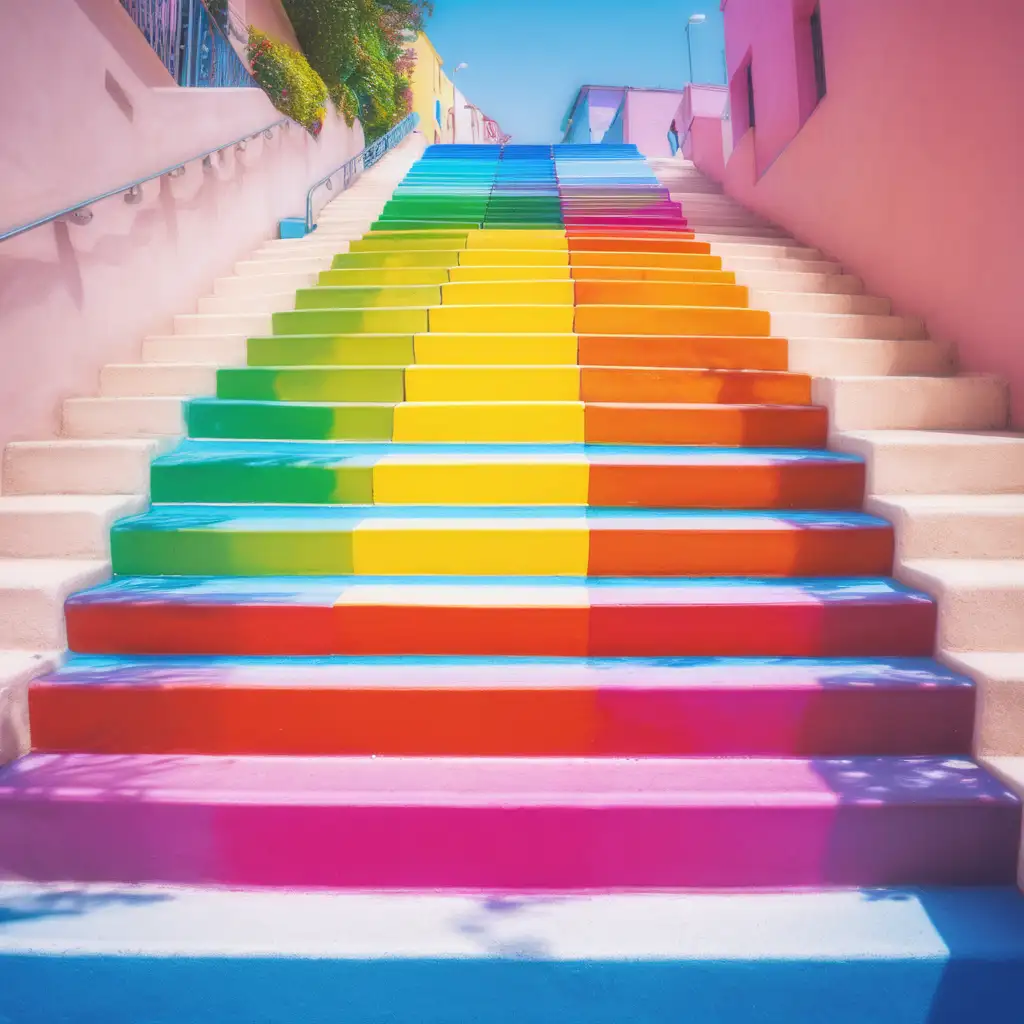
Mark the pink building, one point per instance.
(890, 136)
(623, 114)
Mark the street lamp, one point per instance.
(455, 106)
(694, 19)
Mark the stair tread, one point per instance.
(521, 781)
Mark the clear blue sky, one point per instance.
(527, 58)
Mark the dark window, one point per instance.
(751, 120)
(819, 53)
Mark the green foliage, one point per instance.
(292, 85)
(357, 47)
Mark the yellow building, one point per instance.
(433, 95)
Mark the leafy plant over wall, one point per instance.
(292, 85)
(359, 48)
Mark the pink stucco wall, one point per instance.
(103, 112)
(909, 171)
(648, 115)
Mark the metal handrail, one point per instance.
(132, 192)
(362, 161)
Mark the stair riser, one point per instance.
(517, 848)
(408, 721)
(200, 627)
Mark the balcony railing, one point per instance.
(193, 47)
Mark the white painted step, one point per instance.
(61, 525)
(869, 357)
(247, 324)
(67, 466)
(937, 462)
(309, 246)
(845, 325)
(138, 417)
(17, 669)
(299, 265)
(999, 710)
(255, 302)
(210, 349)
(783, 281)
(955, 525)
(770, 249)
(257, 284)
(118, 380)
(815, 302)
(981, 601)
(784, 264)
(32, 595)
(976, 402)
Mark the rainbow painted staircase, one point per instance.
(504, 644)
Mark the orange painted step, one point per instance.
(753, 552)
(749, 482)
(668, 320)
(677, 274)
(637, 258)
(754, 426)
(660, 384)
(660, 293)
(598, 243)
(721, 353)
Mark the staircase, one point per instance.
(505, 640)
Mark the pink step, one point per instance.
(507, 823)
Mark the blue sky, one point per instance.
(527, 58)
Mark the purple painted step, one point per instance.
(500, 823)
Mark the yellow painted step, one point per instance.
(492, 384)
(464, 547)
(489, 421)
(508, 293)
(504, 319)
(537, 238)
(499, 481)
(513, 257)
(511, 273)
(496, 349)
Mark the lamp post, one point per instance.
(694, 19)
(455, 105)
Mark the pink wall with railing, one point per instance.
(910, 170)
(103, 112)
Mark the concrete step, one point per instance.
(955, 525)
(870, 357)
(845, 325)
(981, 601)
(274, 265)
(209, 349)
(246, 324)
(308, 246)
(999, 709)
(32, 595)
(742, 236)
(816, 302)
(937, 462)
(131, 417)
(17, 669)
(119, 380)
(253, 284)
(61, 525)
(285, 956)
(257, 301)
(975, 402)
(81, 466)
(783, 264)
(771, 249)
(789, 281)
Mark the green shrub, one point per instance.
(356, 46)
(292, 85)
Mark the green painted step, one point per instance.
(384, 276)
(313, 384)
(288, 421)
(332, 350)
(351, 321)
(449, 244)
(384, 259)
(390, 226)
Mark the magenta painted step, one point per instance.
(494, 823)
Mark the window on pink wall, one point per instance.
(809, 48)
(818, 50)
